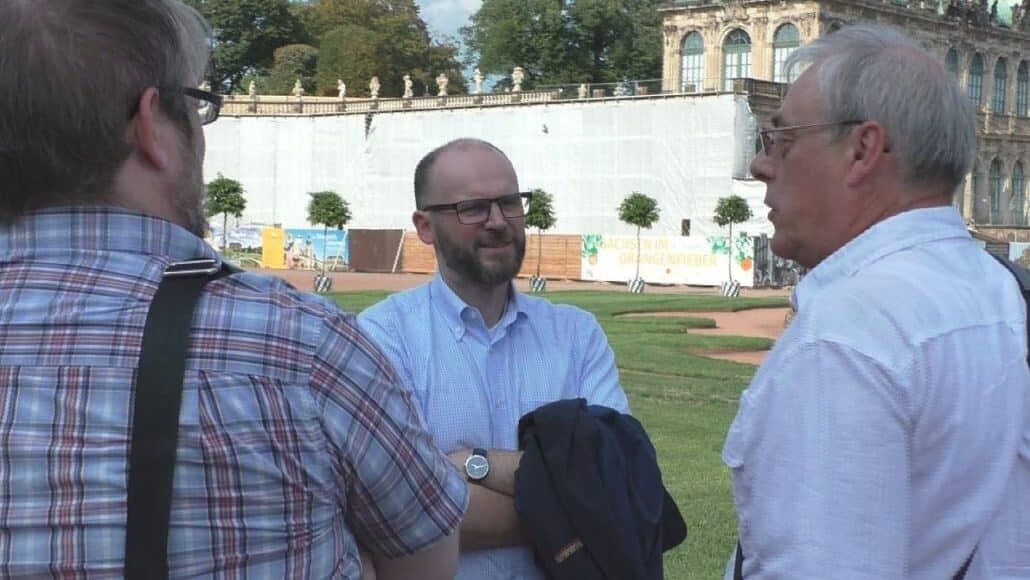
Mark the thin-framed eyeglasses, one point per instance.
(208, 103)
(477, 211)
(767, 137)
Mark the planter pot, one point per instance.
(323, 283)
(731, 289)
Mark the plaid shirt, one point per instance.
(294, 430)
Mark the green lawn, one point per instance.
(684, 401)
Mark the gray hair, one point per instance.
(426, 163)
(875, 72)
(71, 75)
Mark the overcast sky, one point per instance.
(446, 16)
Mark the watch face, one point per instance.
(476, 467)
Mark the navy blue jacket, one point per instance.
(589, 494)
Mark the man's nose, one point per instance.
(761, 167)
(496, 217)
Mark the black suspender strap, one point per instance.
(155, 419)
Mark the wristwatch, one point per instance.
(477, 466)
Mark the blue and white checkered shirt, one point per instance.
(294, 430)
(473, 383)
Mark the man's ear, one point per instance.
(867, 149)
(423, 226)
(150, 131)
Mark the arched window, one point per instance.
(785, 41)
(979, 201)
(736, 60)
(1023, 90)
(994, 190)
(1001, 78)
(951, 63)
(1017, 202)
(976, 79)
(692, 63)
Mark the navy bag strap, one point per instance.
(155, 419)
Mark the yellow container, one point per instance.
(272, 244)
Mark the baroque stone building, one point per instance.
(709, 43)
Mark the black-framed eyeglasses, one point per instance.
(477, 211)
(767, 137)
(208, 104)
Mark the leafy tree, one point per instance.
(224, 196)
(527, 33)
(540, 215)
(349, 53)
(639, 210)
(246, 34)
(385, 38)
(567, 41)
(330, 210)
(292, 62)
(728, 211)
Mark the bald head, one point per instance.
(424, 170)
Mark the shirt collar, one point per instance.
(459, 315)
(103, 228)
(889, 236)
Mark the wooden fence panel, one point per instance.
(560, 259)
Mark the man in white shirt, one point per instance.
(887, 435)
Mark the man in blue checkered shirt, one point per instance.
(297, 441)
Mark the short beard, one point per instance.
(466, 263)
(189, 195)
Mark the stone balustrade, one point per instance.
(276, 105)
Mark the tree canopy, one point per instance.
(274, 42)
(293, 62)
(642, 211)
(540, 213)
(556, 42)
(639, 210)
(246, 34)
(224, 196)
(731, 210)
(328, 209)
(728, 211)
(568, 41)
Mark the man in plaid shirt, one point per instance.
(297, 442)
